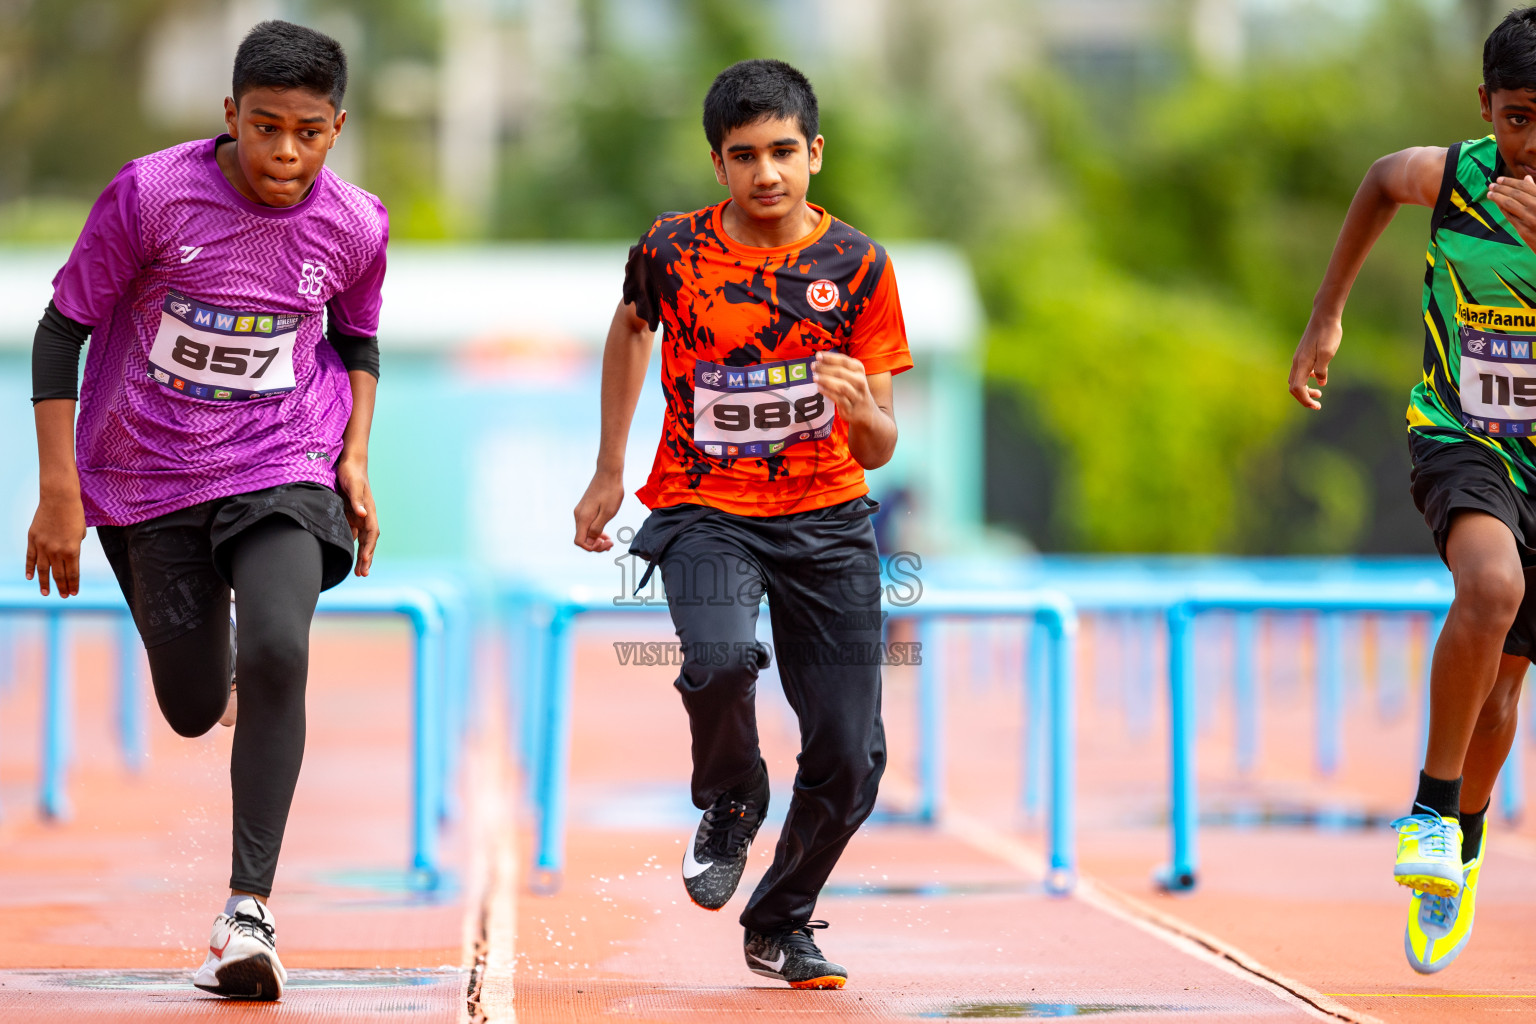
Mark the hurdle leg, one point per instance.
(1431, 637)
(1037, 669)
(130, 694)
(57, 708)
(553, 774)
(458, 642)
(1330, 693)
(1512, 785)
(1245, 692)
(930, 723)
(511, 616)
(1182, 810)
(537, 652)
(1512, 779)
(1062, 877)
(427, 779)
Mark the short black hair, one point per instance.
(282, 55)
(1509, 55)
(757, 90)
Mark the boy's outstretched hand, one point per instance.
(1319, 344)
(1516, 199)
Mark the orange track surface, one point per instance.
(101, 917)
(132, 881)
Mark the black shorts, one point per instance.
(1464, 475)
(167, 566)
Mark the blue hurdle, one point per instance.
(1182, 871)
(546, 724)
(422, 609)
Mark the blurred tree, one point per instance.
(1207, 210)
(69, 105)
(625, 142)
(1157, 393)
(73, 107)
(1482, 15)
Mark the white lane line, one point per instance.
(1166, 927)
(496, 988)
(490, 911)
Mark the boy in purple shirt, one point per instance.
(223, 431)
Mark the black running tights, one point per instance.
(276, 568)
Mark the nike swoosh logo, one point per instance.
(693, 868)
(777, 965)
(220, 952)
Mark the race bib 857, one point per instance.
(757, 410)
(222, 354)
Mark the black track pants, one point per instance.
(166, 571)
(820, 570)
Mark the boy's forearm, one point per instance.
(354, 439)
(57, 473)
(872, 441)
(1369, 214)
(626, 354)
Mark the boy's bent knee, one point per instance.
(192, 696)
(1491, 592)
(722, 667)
(277, 662)
(194, 720)
(1485, 561)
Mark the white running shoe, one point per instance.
(242, 958)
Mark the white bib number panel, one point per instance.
(757, 410)
(1498, 383)
(223, 355)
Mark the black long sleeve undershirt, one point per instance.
(357, 353)
(56, 354)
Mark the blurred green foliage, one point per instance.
(1148, 309)
(69, 109)
(1154, 389)
(72, 109)
(1146, 267)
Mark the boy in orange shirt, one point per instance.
(782, 332)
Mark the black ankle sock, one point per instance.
(1439, 795)
(1472, 832)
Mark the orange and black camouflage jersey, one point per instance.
(746, 429)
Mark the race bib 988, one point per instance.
(222, 354)
(757, 410)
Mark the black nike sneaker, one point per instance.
(793, 956)
(714, 861)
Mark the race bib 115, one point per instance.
(1498, 383)
(757, 410)
(222, 354)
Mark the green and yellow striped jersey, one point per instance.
(1479, 381)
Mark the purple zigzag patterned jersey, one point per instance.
(208, 373)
